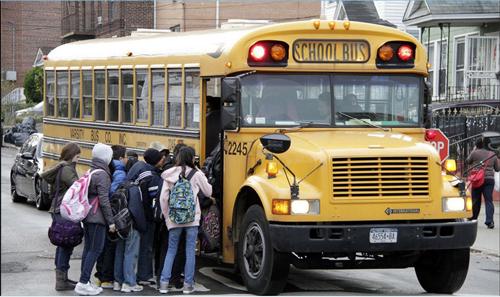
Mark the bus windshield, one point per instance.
(354, 100)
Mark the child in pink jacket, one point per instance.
(184, 166)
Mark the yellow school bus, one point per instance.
(325, 163)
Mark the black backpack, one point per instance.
(119, 207)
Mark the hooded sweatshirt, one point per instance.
(99, 186)
(198, 182)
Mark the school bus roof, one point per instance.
(228, 45)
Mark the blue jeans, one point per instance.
(94, 237)
(173, 241)
(63, 254)
(145, 263)
(126, 255)
(486, 190)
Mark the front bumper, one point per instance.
(416, 236)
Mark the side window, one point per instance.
(75, 94)
(174, 97)
(142, 94)
(87, 93)
(99, 95)
(49, 92)
(158, 97)
(62, 93)
(192, 98)
(113, 88)
(127, 96)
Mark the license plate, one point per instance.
(383, 235)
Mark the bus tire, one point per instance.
(442, 271)
(264, 270)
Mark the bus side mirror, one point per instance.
(231, 98)
(276, 143)
(427, 92)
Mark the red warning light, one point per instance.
(405, 53)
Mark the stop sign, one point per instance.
(439, 141)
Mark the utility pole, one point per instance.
(13, 45)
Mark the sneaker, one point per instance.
(96, 287)
(117, 286)
(188, 289)
(151, 281)
(107, 285)
(490, 225)
(127, 289)
(87, 289)
(163, 287)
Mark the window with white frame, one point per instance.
(459, 64)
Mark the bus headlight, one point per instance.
(303, 206)
(453, 204)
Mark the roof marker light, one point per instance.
(347, 24)
(316, 24)
(331, 25)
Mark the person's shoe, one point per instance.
(87, 289)
(72, 282)
(188, 289)
(117, 286)
(490, 225)
(61, 283)
(163, 287)
(127, 289)
(107, 285)
(151, 281)
(96, 287)
(97, 281)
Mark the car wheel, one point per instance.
(13, 192)
(442, 271)
(263, 269)
(40, 198)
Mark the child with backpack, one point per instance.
(61, 177)
(99, 219)
(181, 209)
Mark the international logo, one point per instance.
(390, 211)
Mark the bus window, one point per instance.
(127, 96)
(99, 95)
(174, 98)
(113, 88)
(87, 93)
(192, 98)
(141, 93)
(75, 94)
(49, 92)
(158, 97)
(62, 93)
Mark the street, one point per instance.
(28, 266)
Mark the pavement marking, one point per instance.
(209, 272)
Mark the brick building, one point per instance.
(200, 15)
(27, 26)
(99, 19)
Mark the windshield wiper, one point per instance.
(366, 122)
(302, 125)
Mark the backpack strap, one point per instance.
(191, 173)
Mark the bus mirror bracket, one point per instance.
(427, 101)
(231, 97)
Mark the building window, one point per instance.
(430, 54)
(99, 95)
(443, 66)
(459, 64)
(176, 28)
(158, 97)
(174, 97)
(75, 94)
(192, 98)
(49, 92)
(113, 87)
(62, 93)
(141, 94)
(127, 96)
(87, 93)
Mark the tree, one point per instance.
(33, 85)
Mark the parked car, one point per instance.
(25, 182)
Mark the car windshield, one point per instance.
(354, 100)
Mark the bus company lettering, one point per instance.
(331, 51)
(76, 133)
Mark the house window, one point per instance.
(99, 95)
(459, 64)
(430, 54)
(443, 68)
(176, 28)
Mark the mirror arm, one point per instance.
(294, 187)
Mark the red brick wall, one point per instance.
(38, 25)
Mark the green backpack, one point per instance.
(181, 202)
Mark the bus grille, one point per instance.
(378, 177)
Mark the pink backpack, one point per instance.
(75, 203)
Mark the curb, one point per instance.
(489, 253)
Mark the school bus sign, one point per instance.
(440, 142)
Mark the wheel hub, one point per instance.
(253, 250)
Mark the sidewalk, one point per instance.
(488, 240)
